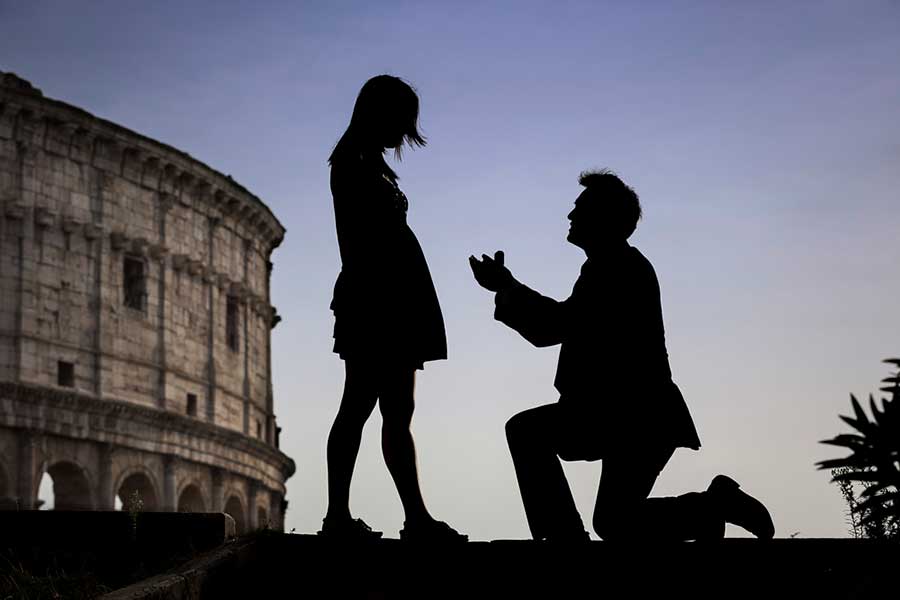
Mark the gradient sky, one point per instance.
(763, 139)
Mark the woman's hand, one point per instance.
(490, 272)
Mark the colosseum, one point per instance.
(135, 322)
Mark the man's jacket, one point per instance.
(613, 369)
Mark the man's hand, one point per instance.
(490, 272)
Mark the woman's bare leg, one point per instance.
(357, 403)
(397, 404)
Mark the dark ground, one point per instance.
(85, 554)
(81, 554)
(289, 566)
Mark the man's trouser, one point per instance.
(540, 436)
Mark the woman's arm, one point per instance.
(361, 228)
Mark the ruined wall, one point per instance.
(131, 272)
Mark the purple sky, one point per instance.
(763, 139)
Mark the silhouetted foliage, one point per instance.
(874, 463)
(873, 529)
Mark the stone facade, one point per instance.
(134, 321)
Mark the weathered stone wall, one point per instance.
(79, 198)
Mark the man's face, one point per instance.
(585, 221)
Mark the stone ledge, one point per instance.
(207, 576)
(105, 417)
(107, 531)
(279, 565)
(105, 546)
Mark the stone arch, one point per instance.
(71, 486)
(234, 506)
(134, 469)
(191, 499)
(138, 480)
(262, 518)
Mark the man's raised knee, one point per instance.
(517, 424)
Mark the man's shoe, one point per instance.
(740, 508)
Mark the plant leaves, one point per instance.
(859, 476)
(857, 410)
(877, 500)
(849, 462)
(875, 489)
(861, 426)
(873, 463)
(877, 415)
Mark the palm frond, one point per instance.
(859, 476)
(873, 464)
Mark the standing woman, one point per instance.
(387, 318)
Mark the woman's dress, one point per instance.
(385, 305)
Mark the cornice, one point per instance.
(157, 419)
(62, 128)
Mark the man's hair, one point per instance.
(619, 200)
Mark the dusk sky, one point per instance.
(763, 139)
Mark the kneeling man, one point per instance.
(617, 402)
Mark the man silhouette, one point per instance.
(617, 399)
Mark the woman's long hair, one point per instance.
(382, 97)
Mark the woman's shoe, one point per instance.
(347, 529)
(431, 532)
(569, 538)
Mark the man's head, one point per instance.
(606, 212)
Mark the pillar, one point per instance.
(253, 517)
(218, 490)
(169, 501)
(26, 476)
(105, 492)
(212, 298)
(97, 241)
(164, 204)
(246, 317)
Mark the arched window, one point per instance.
(235, 508)
(137, 493)
(64, 486)
(191, 500)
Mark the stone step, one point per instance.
(62, 529)
(112, 546)
(269, 565)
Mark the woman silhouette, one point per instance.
(387, 318)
